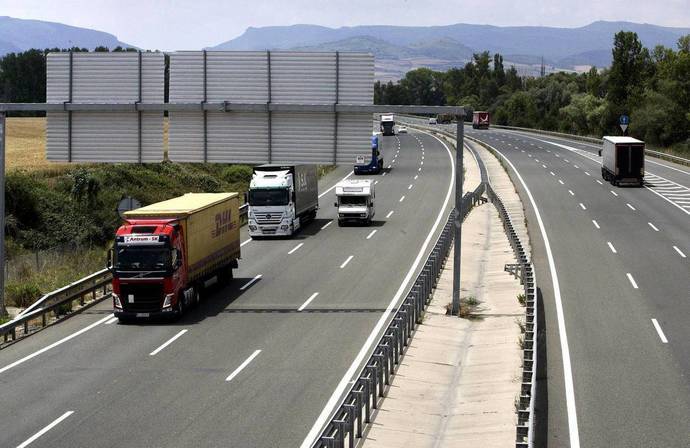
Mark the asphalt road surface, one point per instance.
(257, 363)
(623, 288)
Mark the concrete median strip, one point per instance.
(457, 383)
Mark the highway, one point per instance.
(258, 363)
(620, 294)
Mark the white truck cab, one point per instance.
(355, 201)
(282, 198)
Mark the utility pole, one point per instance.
(457, 219)
(3, 310)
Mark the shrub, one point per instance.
(22, 294)
(237, 173)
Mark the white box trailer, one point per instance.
(622, 160)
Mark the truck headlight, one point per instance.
(284, 227)
(167, 303)
(252, 228)
(116, 301)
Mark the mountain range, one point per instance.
(400, 48)
(21, 35)
(397, 49)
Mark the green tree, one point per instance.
(519, 110)
(630, 66)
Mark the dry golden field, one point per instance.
(26, 145)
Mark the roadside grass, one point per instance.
(30, 275)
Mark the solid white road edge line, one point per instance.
(346, 261)
(112, 321)
(632, 280)
(565, 351)
(243, 365)
(55, 344)
(168, 342)
(312, 297)
(345, 380)
(679, 251)
(55, 422)
(575, 151)
(662, 336)
(294, 249)
(251, 282)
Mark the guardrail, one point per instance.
(523, 270)
(59, 303)
(346, 427)
(582, 138)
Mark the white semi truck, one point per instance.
(622, 161)
(281, 199)
(355, 201)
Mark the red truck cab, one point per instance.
(480, 120)
(149, 270)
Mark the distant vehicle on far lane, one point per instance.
(622, 160)
(387, 125)
(402, 130)
(432, 120)
(480, 120)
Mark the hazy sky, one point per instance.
(193, 24)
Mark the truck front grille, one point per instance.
(268, 219)
(141, 298)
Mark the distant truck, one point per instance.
(480, 120)
(372, 165)
(166, 253)
(387, 124)
(444, 118)
(622, 161)
(282, 198)
(355, 201)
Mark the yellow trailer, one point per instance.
(165, 252)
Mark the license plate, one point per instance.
(142, 314)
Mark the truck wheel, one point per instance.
(340, 223)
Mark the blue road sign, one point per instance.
(624, 120)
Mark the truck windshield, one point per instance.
(269, 196)
(353, 200)
(136, 258)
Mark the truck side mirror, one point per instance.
(109, 260)
(178, 258)
(600, 153)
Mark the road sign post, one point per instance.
(623, 122)
(3, 310)
(457, 219)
